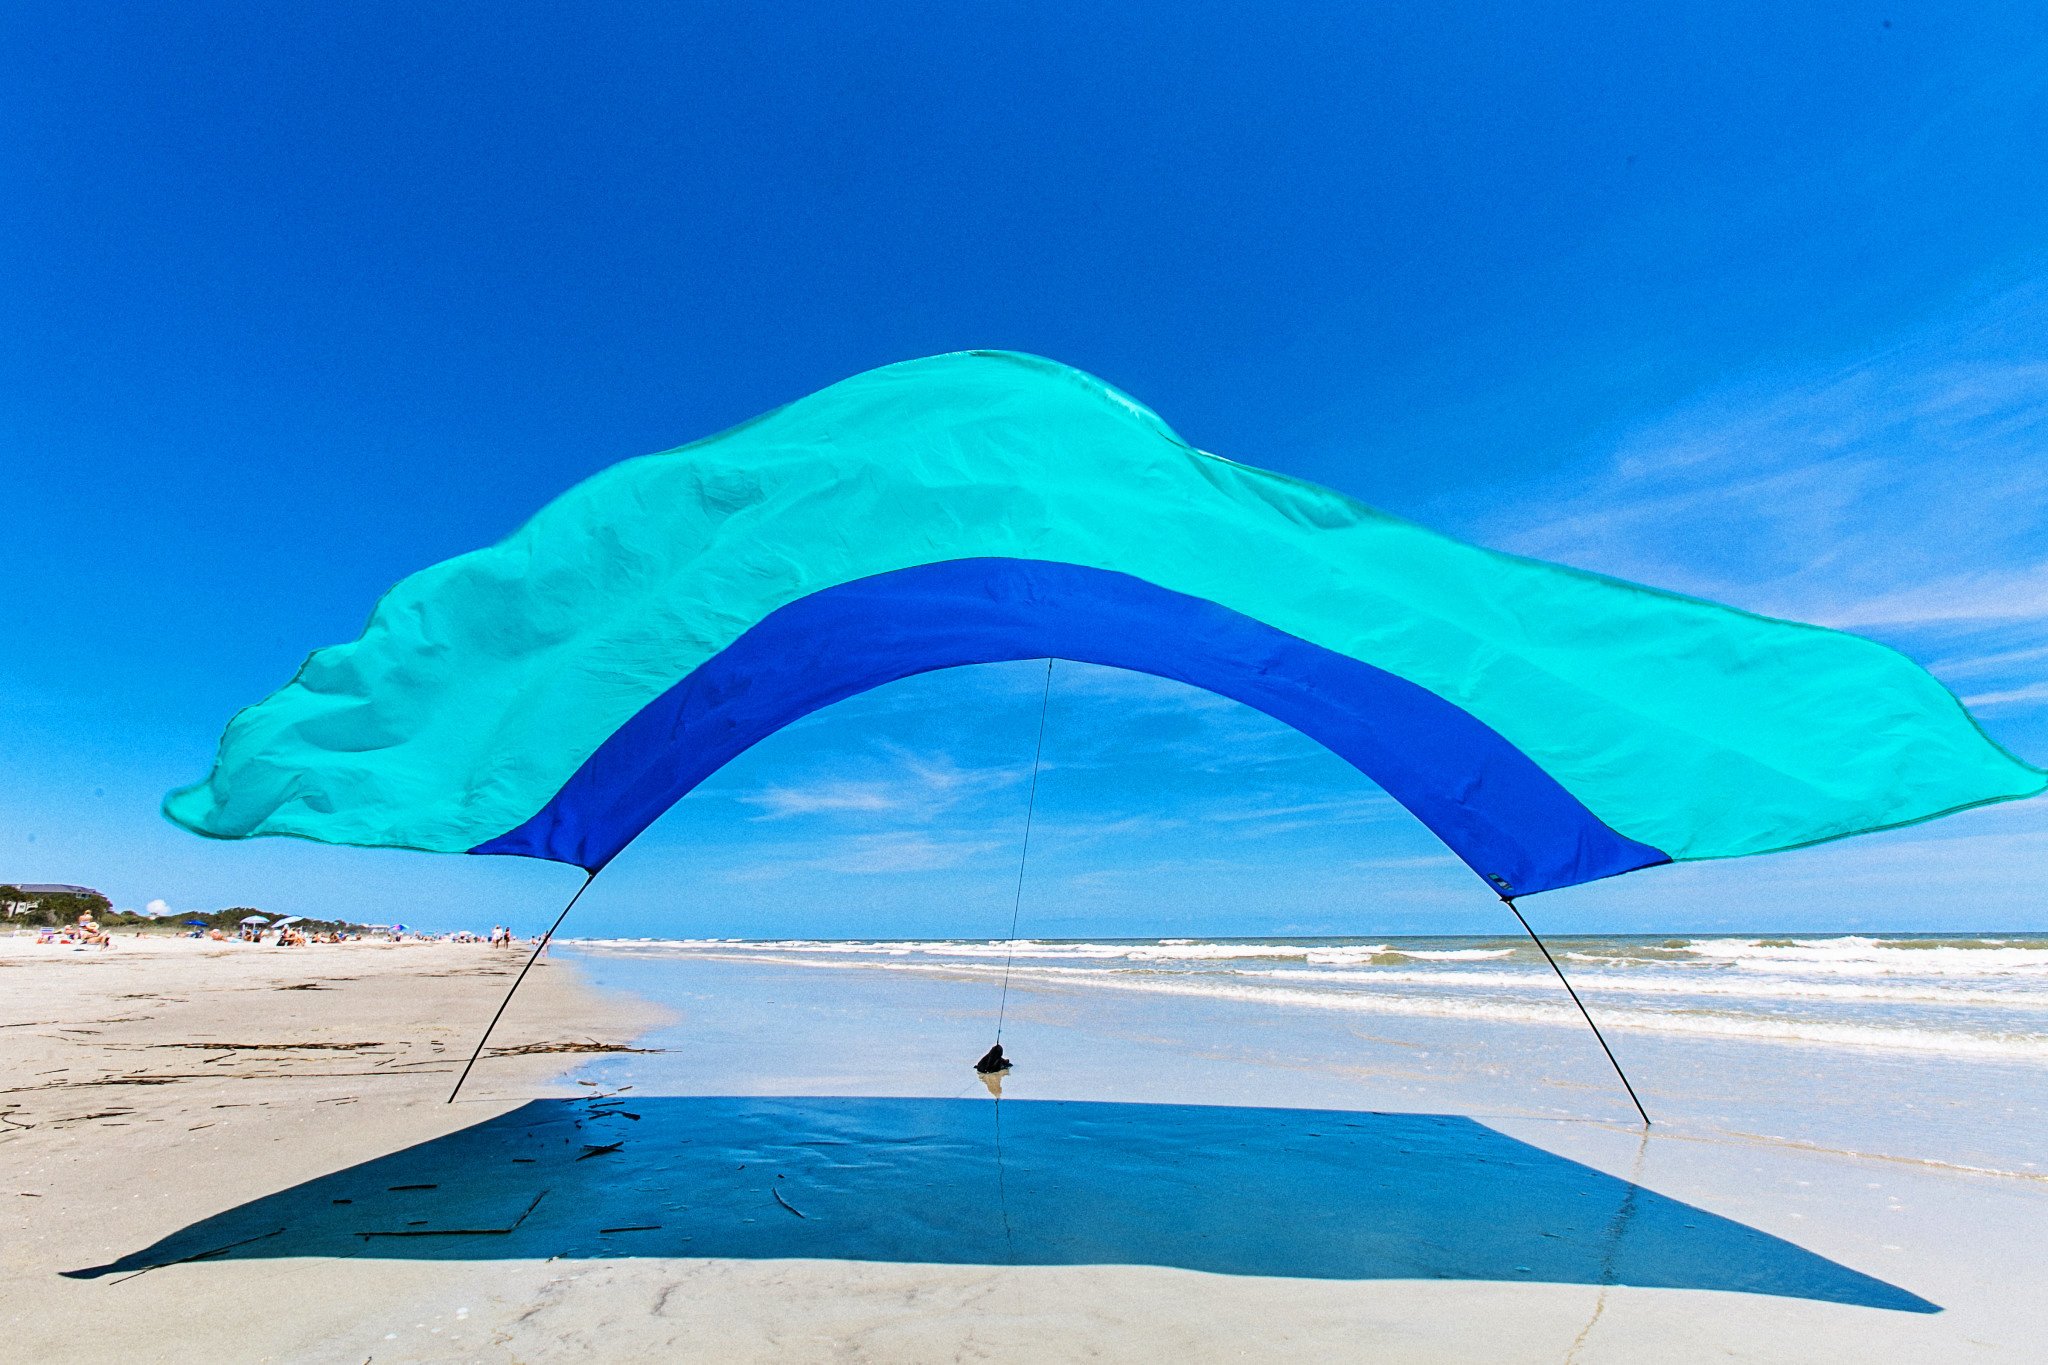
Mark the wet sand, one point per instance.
(808, 1171)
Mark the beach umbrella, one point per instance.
(254, 919)
(288, 919)
(552, 696)
(196, 923)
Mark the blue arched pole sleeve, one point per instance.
(1494, 807)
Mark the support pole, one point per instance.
(1508, 901)
(538, 949)
(1023, 856)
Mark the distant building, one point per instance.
(35, 891)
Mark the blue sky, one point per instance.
(1747, 302)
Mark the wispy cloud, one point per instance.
(829, 795)
(1972, 665)
(2032, 692)
(1980, 597)
(1288, 816)
(920, 787)
(1904, 495)
(890, 853)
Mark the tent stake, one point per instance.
(1508, 901)
(538, 949)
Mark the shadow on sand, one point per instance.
(1292, 1192)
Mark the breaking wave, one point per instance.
(1967, 996)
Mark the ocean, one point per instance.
(1977, 995)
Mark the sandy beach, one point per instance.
(239, 1153)
(155, 1083)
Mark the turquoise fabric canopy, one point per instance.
(552, 695)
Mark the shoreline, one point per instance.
(1934, 999)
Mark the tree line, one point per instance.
(56, 908)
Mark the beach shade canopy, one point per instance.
(552, 695)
